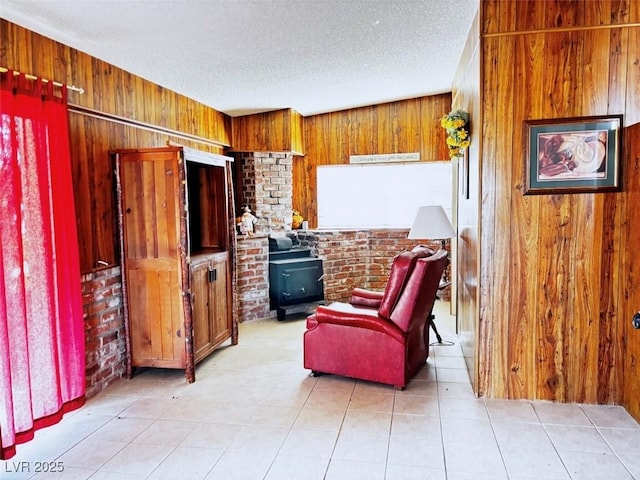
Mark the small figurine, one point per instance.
(296, 219)
(248, 220)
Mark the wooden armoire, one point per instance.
(173, 206)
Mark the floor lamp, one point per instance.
(431, 223)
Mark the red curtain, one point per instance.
(42, 359)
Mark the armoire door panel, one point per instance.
(157, 329)
(220, 310)
(151, 222)
(202, 332)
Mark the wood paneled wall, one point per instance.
(397, 127)
(116, 92)
(557, 274)
(276, 131)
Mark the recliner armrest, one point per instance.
(361, 297)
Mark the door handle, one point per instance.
(636, 321)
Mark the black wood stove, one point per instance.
(295, 277)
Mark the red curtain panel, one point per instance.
(42, 359)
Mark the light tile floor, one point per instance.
(255, 413)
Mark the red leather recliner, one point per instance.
(379, 337)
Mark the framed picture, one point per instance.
(572, 155)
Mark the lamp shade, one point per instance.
(431, 223)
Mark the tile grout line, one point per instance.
(444, 454)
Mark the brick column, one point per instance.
(248, 178)
(267, 186)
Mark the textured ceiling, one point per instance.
(247, 56)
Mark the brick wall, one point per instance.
(104, 329)
(253, 277)
(356, 258)
(345, 259)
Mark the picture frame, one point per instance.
(573, 155)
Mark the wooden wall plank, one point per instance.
(563, 13)
(595, 60)
(527, 74)
(486, 314)
(504, 333)
(597, 13)
(528, 14)
(617, 74)
(582, 317)
(630, 8)
(81, 183)
(632, 96)
(608, 379)
(384, 124)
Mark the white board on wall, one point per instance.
(380, 195)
